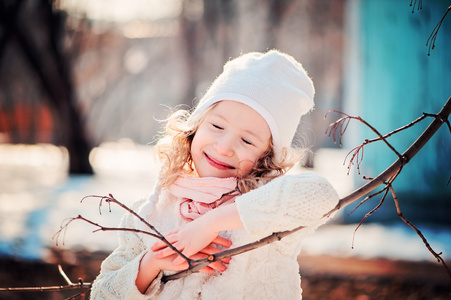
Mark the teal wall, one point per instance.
(398, 82)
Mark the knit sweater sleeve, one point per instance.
(285, 203)
(119, 270)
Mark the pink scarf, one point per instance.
(197, 196)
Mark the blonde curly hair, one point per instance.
(174, 151)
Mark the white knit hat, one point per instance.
(274, 84)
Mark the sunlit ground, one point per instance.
(37, 196)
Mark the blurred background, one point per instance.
(84, 85)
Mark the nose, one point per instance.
(224, 146)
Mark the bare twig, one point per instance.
(46, 288)
(420, 5)
(60, 269)
(66, 223)
(403, 127)
(433, 37)
(365, 200)
(199, 264)
(438, 121)
(110, 199)
(369, 141)
(385, 190)
(392, 172)
(340, 125)
(435, 254)
(369, 214)
(357, 153)
(70, 285)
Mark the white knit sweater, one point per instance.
(269, 272)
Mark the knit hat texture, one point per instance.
(273, 83)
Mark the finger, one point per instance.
(209, 250)
(157, 246)
(222, 242)
(207, 270)
(179, 260)
(160, 244)
(212, 250)
(169, 237)
(165, 252)
(226, 260)
(199, 255)
(165, 264)
(218, 266)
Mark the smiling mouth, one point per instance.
(218, 164)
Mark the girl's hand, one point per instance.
(217, 265)
(150, 266)
(194, 240)
(191, 238)
(150, 261)
(180, 262)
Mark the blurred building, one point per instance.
(134, 61)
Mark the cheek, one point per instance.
(194, 152)
(249, 160)
(196, 143)
(245, 167)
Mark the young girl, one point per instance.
(221, 186)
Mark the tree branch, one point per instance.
(413, 4)
(341, 125)
(425, 242)
(70, 285)
(431, 40)
(110, 199)
(438, 121)
(199, 264)
(385, 190)
(66, 224)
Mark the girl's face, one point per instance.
(229, 140)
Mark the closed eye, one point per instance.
(247, 142)
(216, 126)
